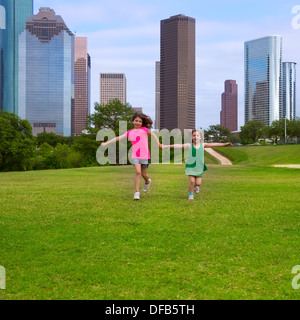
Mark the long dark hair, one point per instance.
(147, 122)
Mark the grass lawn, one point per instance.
(77, 234)
(262, 155)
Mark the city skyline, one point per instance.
(131, 45)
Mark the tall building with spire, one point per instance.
(177, 73)
(81, 107)
(46, 73)
(263, 87)
(229, 111)
(16, 12)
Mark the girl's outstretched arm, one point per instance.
(155, 138)
(217, 144)
(177, 146)
(104, 144)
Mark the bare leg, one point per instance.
(145, 175)
(191, 184)
(137, 177)
(198, 181)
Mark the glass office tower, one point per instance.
(46, 66)
(289, 90)
(263, 69)
(17, 11)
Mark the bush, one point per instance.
(17, 144)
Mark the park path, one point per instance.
(219, 157)
(296, 166)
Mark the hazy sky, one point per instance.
(124, 36)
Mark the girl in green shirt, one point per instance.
(195, 163)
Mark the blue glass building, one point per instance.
(289, 90)
(263, 88)
(16, 11)
(46, 73)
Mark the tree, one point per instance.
(109, 115)
(17, 144)
(252, 131)
(106, 116)
(276, 130)
(217, 133)
(294, 126)
(53, 139)
(87, 146)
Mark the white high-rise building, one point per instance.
(263, 88)
(289, 90)
(112, 86)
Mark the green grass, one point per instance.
(77, 234)
(262, 155)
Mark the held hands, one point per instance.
(162, 146)
(103, 144)
(229, 144)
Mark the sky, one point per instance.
(124, 37)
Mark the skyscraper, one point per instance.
(157, 95)
(82, 86)
(289, 90)
(17, 11)
(112, 86)
(46, 73)
(263, 69)
(229, 112)
(177, 73)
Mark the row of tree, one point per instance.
(255, 130)
(20, 150)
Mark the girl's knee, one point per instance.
(198, 181)
(192, 180)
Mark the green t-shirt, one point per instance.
(195, 163)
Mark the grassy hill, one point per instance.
(262, 155)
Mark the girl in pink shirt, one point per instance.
(140, 150)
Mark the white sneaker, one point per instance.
(147, 186)
(136, 196)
